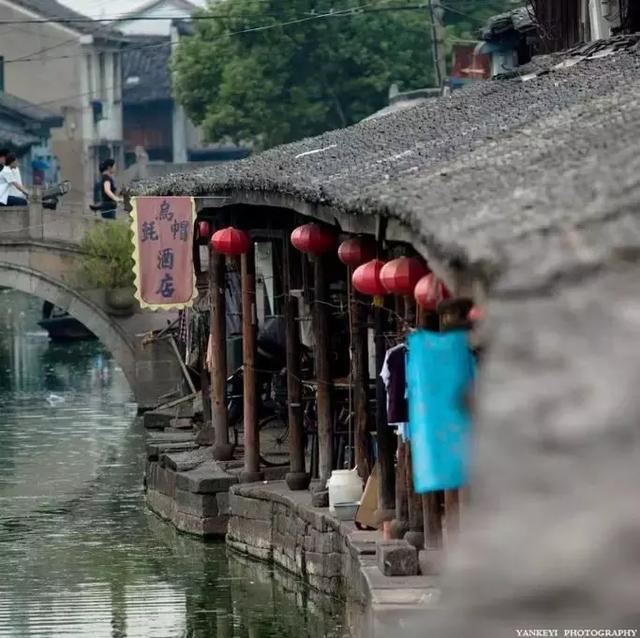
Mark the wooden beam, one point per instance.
(251, 471)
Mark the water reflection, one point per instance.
(79, 555)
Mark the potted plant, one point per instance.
(108, 264)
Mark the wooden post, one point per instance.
(415, 535)
(222, 449)
(400, 524)
(432, 511)
(453, 314)
(452, 514)
(251, 471)
(385, 434)
(323, 378)
(360, 382)
(431, 502)
(297, 478)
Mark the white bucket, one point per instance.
(345, 486)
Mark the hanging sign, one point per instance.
(163, 251)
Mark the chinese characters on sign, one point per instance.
(163, 231)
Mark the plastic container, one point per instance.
(346, 511)
(345, 486)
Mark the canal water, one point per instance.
(79, 554)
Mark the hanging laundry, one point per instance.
(440, 371)
(394, 376)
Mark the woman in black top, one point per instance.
(108, 200)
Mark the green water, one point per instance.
(79, 555)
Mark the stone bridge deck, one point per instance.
(40, 254)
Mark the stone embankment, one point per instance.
(268, 522)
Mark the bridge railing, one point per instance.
(34, 223)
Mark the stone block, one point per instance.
(166, 481)
(223, 503)
(185, 461)
(158, 448)
(202, 505)
(430, 562)
(254, 533)
(275, 473)
(152, 476)
(207, 478)
(251, 508)
(155, 420)
(212, 526)
(397, 558)
(182, 424)
(325, 565)
(325, 542)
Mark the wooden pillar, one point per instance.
(400, 524)
(431, 502)
(452, 514)
(222, 449)
(432, 512)
(323, 378)
(385, 435)
(297, 478)
(251, 471)
(415, 534)
(360, 381)
(453, 315)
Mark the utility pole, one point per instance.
(439, 55)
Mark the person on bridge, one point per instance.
(3, 157)
(12, 192)
(105, 195)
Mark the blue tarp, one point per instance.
(440, 370)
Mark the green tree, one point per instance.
(298, 79)
(300, 74)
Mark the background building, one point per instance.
(73, 69)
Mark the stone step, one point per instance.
(207, 478)
(185, 461)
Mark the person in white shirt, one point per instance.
(12, 193)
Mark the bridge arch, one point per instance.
(79, 306)
(152, 372)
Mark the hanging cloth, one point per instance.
(394, 376)
(440, 371)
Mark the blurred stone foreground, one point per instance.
(553, 536)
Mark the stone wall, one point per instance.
(273, 526)
(185, 488)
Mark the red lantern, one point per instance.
(313, 239)
(355, 252)
(400, 276)
(366, 278)
(429, 292)
(230, 241)
(476, 314)
(204, 230)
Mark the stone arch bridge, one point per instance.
(40, 255)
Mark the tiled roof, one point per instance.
(474, 174)
(145, 71)
(58, 12)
